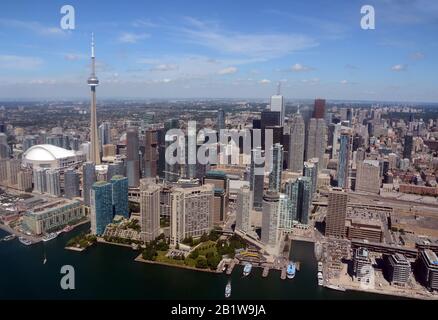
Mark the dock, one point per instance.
(283, 273)
(231, 267)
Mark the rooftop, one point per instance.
(47, 152)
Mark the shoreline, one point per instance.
(139, 258)
(380, 292)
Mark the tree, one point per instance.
(149, 253)
(188, 241)
(201, 262)
(204, 237)
(213, 261)
(194, 255)
(213, 236)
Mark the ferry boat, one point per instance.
(228, 290)
(291, 270)
(25, 241)
(9, 237)
(50, 236)
(320, 266)
(247, 269)
(320, 279)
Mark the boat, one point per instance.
(247, 269)
(9, 237)
(228, 290)
(320, 266)
(318, 251)
(67, 229)
(45, 259)
(291, 270)
(25, 241)
(320, 278)
(50, 236)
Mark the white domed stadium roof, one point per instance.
(47, 152)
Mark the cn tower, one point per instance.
(93, 82)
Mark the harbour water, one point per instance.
(110, 272)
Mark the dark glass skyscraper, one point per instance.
(132, 157)
(408, 146)
(299, 191)
(101, 206)
(120, 195)
(344, 159)
(71, 184)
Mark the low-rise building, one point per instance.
(52, 216)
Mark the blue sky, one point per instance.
(235, 49)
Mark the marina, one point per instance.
(160, 279)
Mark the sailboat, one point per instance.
(45, 259)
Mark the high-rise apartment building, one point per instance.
(336, 213)
(120, 195)
(296, 145)
(243, 209)
(101, 207)
(149, 210)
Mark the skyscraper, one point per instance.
(368, 176)
(88, 179)
(299, 191)
(296, 146)
(319, 109)
(257, 176)
(270, 218)
(408, 146)
(71, 184)
(53, 182)
(149, 210)
(39, 180)
(276, 167)
(344, 160)
(243, 210)
(120, 195)
(311, 171)
(277, 104)
(93, 82)
(220, 119)
(191, 212)
(150, 154)
(336, 213)
(101, 207)
(132, 157)
(104, 134)
(316, 139)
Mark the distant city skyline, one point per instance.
(221, 50)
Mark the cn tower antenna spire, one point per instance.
(93, 82)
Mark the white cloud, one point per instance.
(259, 45)
(19, 62)
(32, 26)
(139, 23)
(265, 81)
(164, 67)
(73, 56)
(313, 81)
(399, 67)
(343, 82)
(417, 56)
(128, 37)
(228, 70)
(297, 67)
